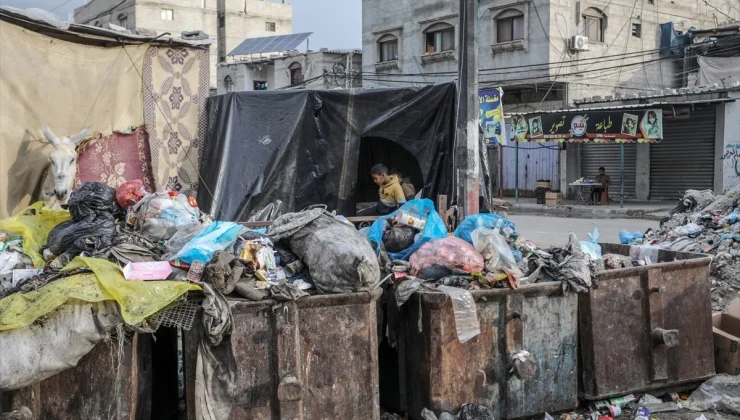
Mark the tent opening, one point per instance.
(379, 150)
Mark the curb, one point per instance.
(585, 213)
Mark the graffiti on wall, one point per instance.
(731, 166)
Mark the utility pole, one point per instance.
(467, 138)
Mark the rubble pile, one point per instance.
(707, 224)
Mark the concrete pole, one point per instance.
(467, 139)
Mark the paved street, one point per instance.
(546, 231)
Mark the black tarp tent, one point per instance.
(272, 152)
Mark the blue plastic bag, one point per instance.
(216, 237)
(484, 220)
(626, 237)
(433, 229)
(592, 247)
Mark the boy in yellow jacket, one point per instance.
(390, 192)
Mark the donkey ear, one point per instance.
(54, 140)
(82, 135)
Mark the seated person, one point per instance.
(408, 187)
(390, 192)
(597, 191)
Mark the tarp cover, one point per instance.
(270, 153)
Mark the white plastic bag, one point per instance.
(495, 251)
(592, 247)
(688, 230)
(466, 314)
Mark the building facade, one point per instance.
(326, 69)
(534, 49)
(242, 18)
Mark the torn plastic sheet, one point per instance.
(466, 314)
(303, 147)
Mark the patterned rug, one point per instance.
(176, 87)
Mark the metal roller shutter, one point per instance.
(685, 158)
(594, 155)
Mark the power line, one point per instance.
(55, 8)
(725, 14)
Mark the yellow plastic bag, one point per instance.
(137, 299)
(34, 224)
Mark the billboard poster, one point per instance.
(602, 125)
(492, 115)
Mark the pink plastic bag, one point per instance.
(450, 252)
(130, 193)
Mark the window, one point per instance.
(296, 74)
(508, 27)
(594, 22)
(167, 14)
(258, 85)
(651, 1)
(270, 26)
(388, 48)
(440, 37)
(123, 20)
(636, 30)
(228, 84)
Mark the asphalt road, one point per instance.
(546, 231)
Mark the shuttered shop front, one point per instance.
(685, 158)
(594, 155)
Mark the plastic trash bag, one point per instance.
(482, 220)
(34, 224)
(92, 199)
(720, 393)
(130, 193)
(91, 234)
(466, 314)
(450, 253)
(159, 216)
(339, 258)
(490, 242)
(422, 209)
(398, 238)
(626, 237)
(691, 230)
(592, 247)
(217, 237)
(182, 237)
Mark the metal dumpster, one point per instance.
(442, 374)
(315, 358)
(97, 388)
(646, 327)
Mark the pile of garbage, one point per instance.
(718, 394)
(130, 257)
(703, 223)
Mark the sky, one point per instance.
(335, 23)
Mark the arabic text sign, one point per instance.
(618, 125)
(492, 115)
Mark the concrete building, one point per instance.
(534, 49)
(242, 18)
(325, 69)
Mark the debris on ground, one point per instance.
(703, 223)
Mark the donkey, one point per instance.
(60, 177)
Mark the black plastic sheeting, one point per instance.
(272, 152)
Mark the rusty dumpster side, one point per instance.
(315, 358)
(647, 327)
(98, 387)
(442, 374)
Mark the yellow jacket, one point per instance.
(391, 194)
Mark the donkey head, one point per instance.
(64, 159)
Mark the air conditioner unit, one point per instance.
(579, 43)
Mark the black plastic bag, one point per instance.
(93, 199)
(87, 235)
(399, 238)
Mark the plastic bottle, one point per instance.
(642, 413)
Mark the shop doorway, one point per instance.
(379, 150)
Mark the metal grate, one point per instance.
(179, 314)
